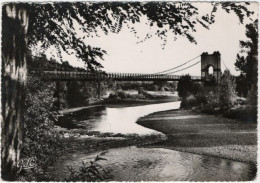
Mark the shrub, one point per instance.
(123, 95)
(144, 93)
(156, 88)
(119, 95)
(248, 114)
(202, 98)
(189, 102)
(252, 97)
(89, 172)
(227, 91)
(112, 96)
(196, 88)
(213, 109)
(40, 140)
(184, 86)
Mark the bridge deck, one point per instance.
(86, 76)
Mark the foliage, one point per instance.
(193, 101)
(212, 105)
(211, 82)
(227, 90)
(248, 114)
(40, 140)
(252, 97)
(145, 93)
(188, 87)
(119, 95)
(248, 65)
(241, 86)
(196, 88)
(184, 86)
(87, 173)
(122, 95)
(78, 93)
(54, 23)
(137, 85)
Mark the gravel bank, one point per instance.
(205, 134)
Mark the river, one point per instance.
(139, 163)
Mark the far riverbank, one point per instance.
(158, 97)
(198, 133)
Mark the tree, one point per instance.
(52, 24)
(241, 86)
(184, 86)
(14, 45)
(227, 90)
(248, 65)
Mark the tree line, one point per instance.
(212, 98)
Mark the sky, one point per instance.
(126, 55)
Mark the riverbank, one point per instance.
(162, 97)
(82, 143)
(139, 102)
(80, 130)
(188, 134)
(198, 133)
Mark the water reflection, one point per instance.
(114, 120)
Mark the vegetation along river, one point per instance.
(136, 163)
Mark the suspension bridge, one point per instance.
(206, 61)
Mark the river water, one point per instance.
(115, 120)
(157, 164)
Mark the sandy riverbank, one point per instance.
(205, 134)
(80, 142)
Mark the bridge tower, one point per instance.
(210, 60)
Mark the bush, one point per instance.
(189, 103)
(156, 88)
(88, 172)
(112, 96)
(184, 86)
(212, 109)
(119, 95)
(123, 95)
(210, 102)
(202, 98)
(144, 93)
(227, 91)
(248, 114)
(40, 139)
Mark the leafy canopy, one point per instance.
(53, 24)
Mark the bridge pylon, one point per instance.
(211, 60)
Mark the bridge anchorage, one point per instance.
(207, 61)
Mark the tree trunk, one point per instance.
(14, 47)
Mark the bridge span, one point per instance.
(87, 76)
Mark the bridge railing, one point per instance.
(70, 75)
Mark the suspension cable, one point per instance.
(224, 63)
(176, 66)
(183, 68)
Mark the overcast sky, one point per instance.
(125, 54)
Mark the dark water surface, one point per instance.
(148, 164)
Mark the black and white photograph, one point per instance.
(129, 91)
